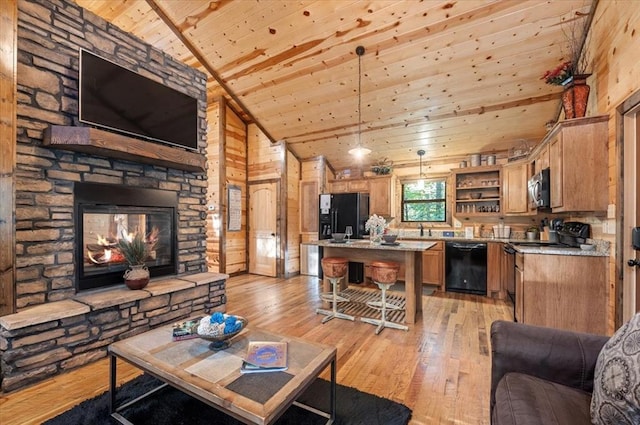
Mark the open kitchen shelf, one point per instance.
(477, 191)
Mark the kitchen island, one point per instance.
(407, 253)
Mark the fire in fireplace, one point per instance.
(106, 214)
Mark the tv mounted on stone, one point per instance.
(118, 99)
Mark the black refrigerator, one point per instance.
(339, 210)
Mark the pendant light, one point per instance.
(420, 184)
(359, 151)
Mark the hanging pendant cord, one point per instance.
(359, 99)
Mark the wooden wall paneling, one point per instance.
(282, 219)
(312, 184)
(235, 155)
(615, 76)
(215, 168)
(292, 255)
(312, 169)
(309, 200)
(265, 159)
(8, 59)
(327, 176)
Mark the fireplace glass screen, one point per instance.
(104, 227)
(107, 214)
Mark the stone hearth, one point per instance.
(51, 338)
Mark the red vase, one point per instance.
(575, 97)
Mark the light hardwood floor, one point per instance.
(440, 368)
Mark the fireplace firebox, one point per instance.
(105, 214)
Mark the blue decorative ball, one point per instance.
(217, 317)
(231, 324)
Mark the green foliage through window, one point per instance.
(424, 202)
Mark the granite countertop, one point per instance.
(560, 250)
(402, 245)
(602, 249)
(422, 243)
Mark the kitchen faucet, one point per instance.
(421, 229)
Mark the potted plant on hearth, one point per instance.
(136, 250)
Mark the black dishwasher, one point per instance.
(466, 267)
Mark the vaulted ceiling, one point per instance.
(451, 77)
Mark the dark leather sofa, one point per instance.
(541, 375)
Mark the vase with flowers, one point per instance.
(576, 90)
(375, 225)
(572, 74)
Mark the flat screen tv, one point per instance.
(119, 99)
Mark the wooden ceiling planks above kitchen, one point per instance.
(453, 78)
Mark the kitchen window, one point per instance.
(425, 201)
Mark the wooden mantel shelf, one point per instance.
(99, 142)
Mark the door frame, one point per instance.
(279, 222)
(623, 307)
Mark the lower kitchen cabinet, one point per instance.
(563, 291)
(494, 270)
(433, 265)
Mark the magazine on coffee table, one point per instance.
(265, 356)
(186, 329)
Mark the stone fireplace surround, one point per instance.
(56, 328)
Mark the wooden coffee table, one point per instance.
(214, 377)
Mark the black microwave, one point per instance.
(540, 190)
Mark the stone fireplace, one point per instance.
(70, 298)
(105, 214)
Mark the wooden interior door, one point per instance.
(263, 228)
(631, 215)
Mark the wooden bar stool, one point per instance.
(384, 274)
(334, 268)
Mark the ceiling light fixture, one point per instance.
(420, 183)
(359, 151)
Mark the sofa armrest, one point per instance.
(561, 356)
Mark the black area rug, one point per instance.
(170, 406)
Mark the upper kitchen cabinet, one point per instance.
(349, 186)
(515, 177)
(477, 191)
(382, 195)
(578, 164)
(540, 160)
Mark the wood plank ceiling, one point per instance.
(450, 77)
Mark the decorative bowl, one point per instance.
(476, 195)
(389, 238)
(338, 237)
(587, 247)
(222, 340)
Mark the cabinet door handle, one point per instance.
(633, 263)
